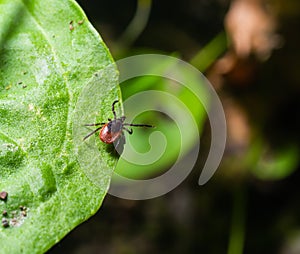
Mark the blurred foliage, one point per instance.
(177, 141)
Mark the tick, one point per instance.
(113, 129)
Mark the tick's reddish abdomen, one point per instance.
(107, 135)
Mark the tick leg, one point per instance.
(94, 124)
(90, 134)
(122, 118)
(113, 109)
(119, 144)
(130, 131)
(138, 125)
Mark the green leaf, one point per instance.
(276, 164)
(49, 54)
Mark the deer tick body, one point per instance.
(113, 129)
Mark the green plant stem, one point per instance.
(137, 24)
(237, 232)
(208, 54)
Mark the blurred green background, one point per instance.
(251, 204)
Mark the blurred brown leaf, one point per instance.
(251, 28)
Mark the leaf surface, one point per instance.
(49, 57)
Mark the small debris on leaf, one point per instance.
(71, 27)
(23, 210)
(3, 195)
(8, 87)
(14, 221)
(5, 223)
